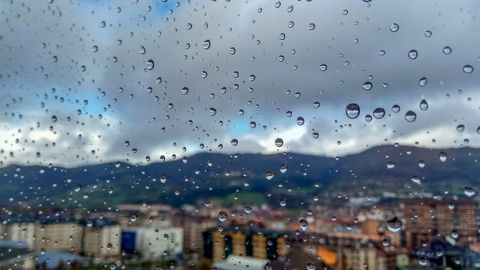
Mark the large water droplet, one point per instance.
(394, 224)
(222, 216)
(410, 116)
(352, 110)
(367, 86)
(278, 142)
(467, 69)
(379, 113)
(469, 191)
(300, 121)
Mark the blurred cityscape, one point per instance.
(366, 233)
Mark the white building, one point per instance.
(22, 232)
(159, 242)
(102, 241)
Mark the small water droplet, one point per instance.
(447, 50)
(394, 27)
(423, 105)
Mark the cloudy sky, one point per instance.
(95, 81)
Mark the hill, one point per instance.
(243, 178)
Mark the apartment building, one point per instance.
(102, 239)
(428, 219)
(59, 235)
(260, 244)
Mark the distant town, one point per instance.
(424, 232)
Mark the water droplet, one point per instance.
(269, 175)
(232, 50)
(311, 26)
(367, 86)
(149, 64)
(413, 54)
(394, 27)
(467, 69)
(133, 218)
(379, 113)
(469, 191)
(184, 90)
(206, 44)
(410, 116)
(323, 67)
(390, 165)
(422, 82)
(443, 156)
(283, 168)
(163, 179)
(278, 142)
(368, 118)
(300, 121)
(447, 50)
(421, 164)
(415, 179)
(423, 105)
(394, 225)
(395, 108)
(352, 110)
(303, 224)
(222, 216)
(212, 111)
(460, 128)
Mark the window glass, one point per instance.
(239, 134)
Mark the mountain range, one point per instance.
(246, 178)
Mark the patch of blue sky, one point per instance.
(88, 102)
(163, 7)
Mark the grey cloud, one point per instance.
(116, 80)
